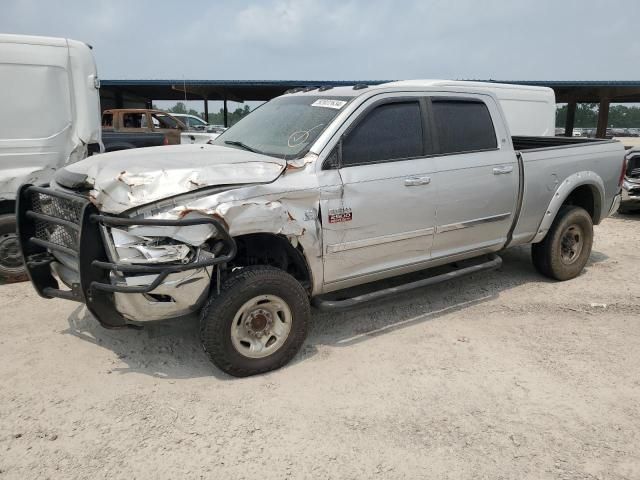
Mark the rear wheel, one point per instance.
(257, 323)
(11, 266)
(566, 248)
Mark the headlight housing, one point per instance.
(137, 249)
(148, 244)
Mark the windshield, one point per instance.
(285, 127)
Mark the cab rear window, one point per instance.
(463, 126)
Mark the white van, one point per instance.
(50, 116)
(530, 111)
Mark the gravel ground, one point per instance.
(502, 375)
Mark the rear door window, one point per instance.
(389, 132)
(134, 120)
(463, 125)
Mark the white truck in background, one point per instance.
(529, 111)
(50, 116)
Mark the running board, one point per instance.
(491, 264)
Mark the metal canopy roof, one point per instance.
(236, 90)
(241, 90)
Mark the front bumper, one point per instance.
(60, 237)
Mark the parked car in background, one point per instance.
(311, 194)
(193, 122)
(196, 123)
(131, 138)
(140, 120)
(50, 117)
(631, 184)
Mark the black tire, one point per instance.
(551, 256)
(218, 315)
(624, 210)
(11, 267)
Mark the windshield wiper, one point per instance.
(241, 145)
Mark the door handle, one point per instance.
(416, 181)
(502, 170)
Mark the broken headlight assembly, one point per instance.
(145, 244)
(137, 249)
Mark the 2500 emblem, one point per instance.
(338, 215)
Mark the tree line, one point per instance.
(620, 116)
(215, 118)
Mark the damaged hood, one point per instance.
(123, 180)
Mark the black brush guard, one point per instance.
(54, 221)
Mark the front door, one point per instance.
(380, 217)
(165, 123)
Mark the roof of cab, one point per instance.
(463, 83)
(357, 90)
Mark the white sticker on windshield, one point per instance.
(329, 103)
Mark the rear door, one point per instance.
(382, 217)
(477, 174)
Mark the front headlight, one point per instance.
(157, 244)
(130, 248)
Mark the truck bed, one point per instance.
(531, 143)
(555, 164)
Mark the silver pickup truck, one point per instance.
(315, 192)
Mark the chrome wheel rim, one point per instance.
(571, 244)
(261, 326)
(10, 256)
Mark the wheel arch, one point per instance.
(265, 248)
(583, 189)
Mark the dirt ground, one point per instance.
(502, 375)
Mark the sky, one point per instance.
(344, 39)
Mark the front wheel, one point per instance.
(12, 268)
(567, 246)
(258, 322)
